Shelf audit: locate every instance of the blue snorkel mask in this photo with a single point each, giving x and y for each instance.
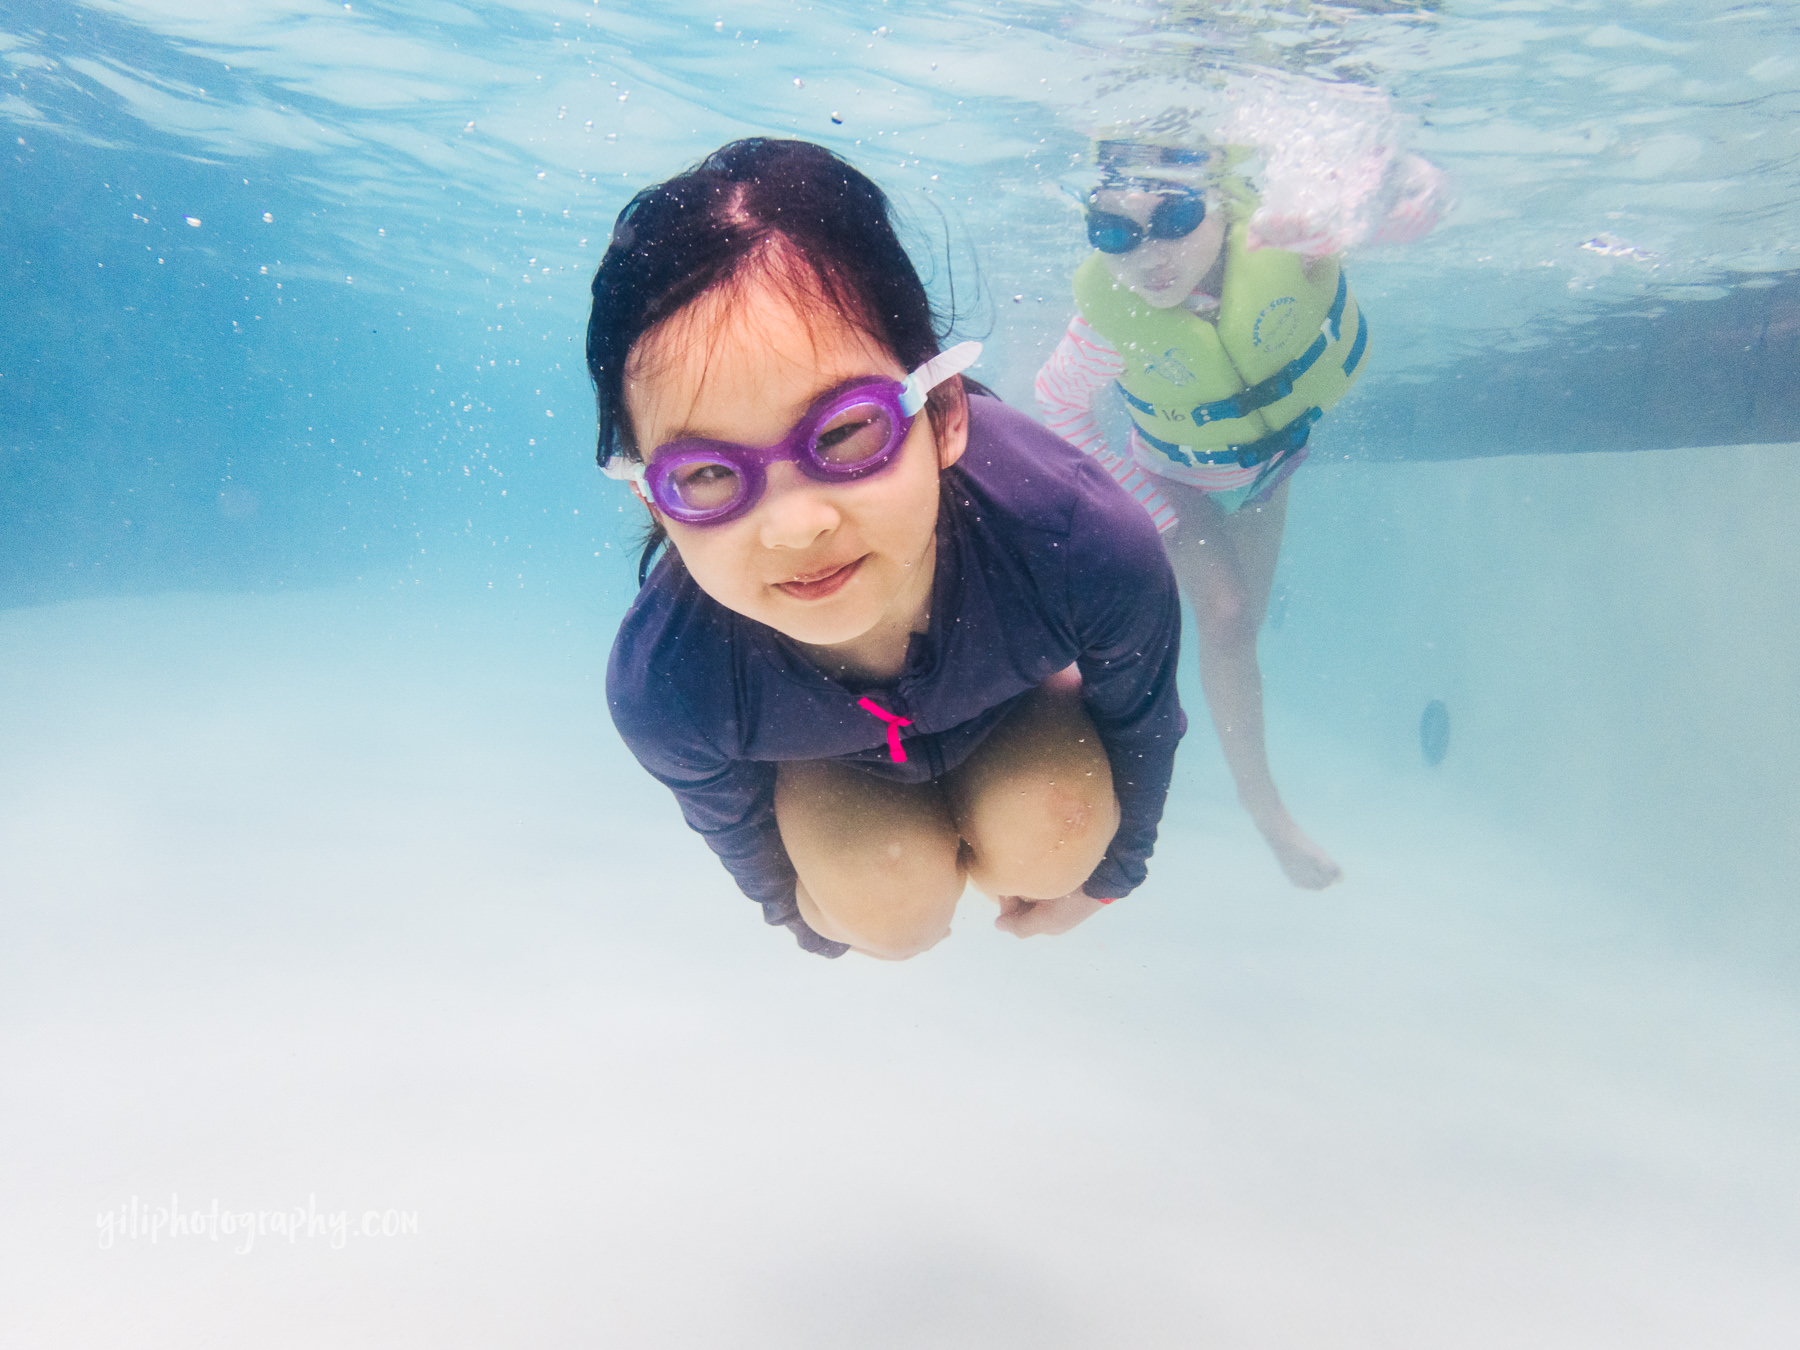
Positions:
(1180, 212)
(1177, 175)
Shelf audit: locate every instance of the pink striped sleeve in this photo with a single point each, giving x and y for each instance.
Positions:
(1082, 365)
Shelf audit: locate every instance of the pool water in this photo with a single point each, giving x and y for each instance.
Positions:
(328, 889)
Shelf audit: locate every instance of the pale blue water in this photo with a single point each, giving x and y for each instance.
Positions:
(322, 873)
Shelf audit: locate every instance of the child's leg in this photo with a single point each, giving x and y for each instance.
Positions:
(1226, 566)
(1034, 805)
(878, 860)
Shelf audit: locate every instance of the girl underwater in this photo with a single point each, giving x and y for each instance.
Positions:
(1226, 351)
(883, 655)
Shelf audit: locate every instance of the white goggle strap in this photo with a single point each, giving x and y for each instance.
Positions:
(934, 372)
(630, 471)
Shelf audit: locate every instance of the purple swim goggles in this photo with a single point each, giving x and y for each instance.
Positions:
(850, 433)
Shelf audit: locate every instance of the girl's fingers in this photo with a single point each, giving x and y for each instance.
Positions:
(1028, 918)
(1032, 918)
(1020, 917)
(1013, 910)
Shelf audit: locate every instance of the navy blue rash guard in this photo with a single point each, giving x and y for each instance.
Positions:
(1042, 562)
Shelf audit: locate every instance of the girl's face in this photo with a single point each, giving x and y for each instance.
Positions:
(824, 563)
(1161, 272)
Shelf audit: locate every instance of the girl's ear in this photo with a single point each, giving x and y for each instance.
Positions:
(952, 427)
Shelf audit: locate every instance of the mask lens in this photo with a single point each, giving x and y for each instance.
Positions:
(1113, 233)
(1177, 217)
(704, 484)
(854, 436)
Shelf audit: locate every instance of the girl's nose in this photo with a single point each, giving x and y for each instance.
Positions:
(795, 511)
(1153, 251)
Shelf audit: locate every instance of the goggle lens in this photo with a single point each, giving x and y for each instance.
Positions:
(705, 485)
(1113, 234)
(1176, 216)
(854, 436)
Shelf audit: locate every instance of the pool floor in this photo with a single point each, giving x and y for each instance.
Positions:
(350, 903)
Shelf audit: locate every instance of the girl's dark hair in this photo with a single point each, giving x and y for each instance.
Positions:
(752, 208)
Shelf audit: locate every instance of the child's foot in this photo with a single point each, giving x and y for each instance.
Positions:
(1307, 865)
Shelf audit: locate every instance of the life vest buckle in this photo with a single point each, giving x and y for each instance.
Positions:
(1281, 441)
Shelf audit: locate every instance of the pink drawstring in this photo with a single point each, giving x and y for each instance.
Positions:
(893, 727)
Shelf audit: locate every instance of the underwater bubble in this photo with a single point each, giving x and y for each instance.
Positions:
(1434, 732)
(192, 220)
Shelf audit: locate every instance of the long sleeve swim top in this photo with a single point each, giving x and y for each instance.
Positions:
(1081, 368)
(1042, 563)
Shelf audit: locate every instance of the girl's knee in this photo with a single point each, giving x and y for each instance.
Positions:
(885, 918)
(879, 862)
(1036, 805)
(897, 939)
(1044, 839)
(1224, 616)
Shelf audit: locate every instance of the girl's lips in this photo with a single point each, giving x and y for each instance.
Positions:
(820, 584)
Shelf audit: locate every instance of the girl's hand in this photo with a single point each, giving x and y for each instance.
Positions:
(1027, 918)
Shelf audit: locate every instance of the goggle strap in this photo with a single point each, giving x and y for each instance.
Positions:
(623, 470)
(934, 372)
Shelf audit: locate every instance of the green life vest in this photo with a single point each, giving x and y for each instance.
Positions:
(1248, 386)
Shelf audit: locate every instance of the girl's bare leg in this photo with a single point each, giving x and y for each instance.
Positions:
(1035, 805)
(878, 861)
(1226, 566)
(1027, 818)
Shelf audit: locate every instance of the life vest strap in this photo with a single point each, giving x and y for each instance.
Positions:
(1357, 348)
(1293, 436)
(1279, 385)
